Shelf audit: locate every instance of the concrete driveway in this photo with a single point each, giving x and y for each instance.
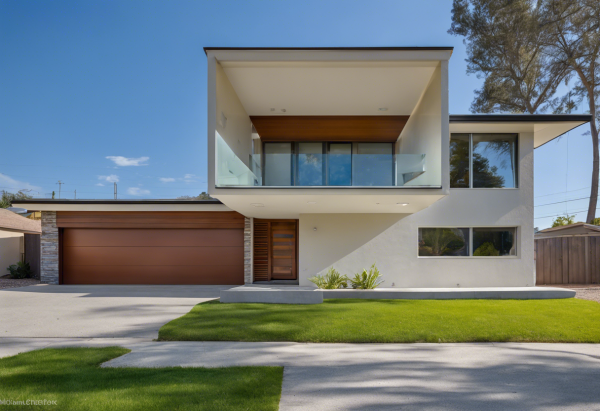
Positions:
(100, 311)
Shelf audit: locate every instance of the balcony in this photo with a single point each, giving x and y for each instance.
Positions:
(321, 165)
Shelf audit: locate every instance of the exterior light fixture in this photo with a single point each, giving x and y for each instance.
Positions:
(402, 204)
(257, 204)
(382, 109)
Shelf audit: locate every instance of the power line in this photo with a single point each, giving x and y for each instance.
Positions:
(565, 201)
(563, 192)
(556, 215)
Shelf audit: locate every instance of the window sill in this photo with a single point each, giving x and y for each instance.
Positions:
(473, 257)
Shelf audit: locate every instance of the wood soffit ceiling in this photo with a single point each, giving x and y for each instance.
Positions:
(329, 128)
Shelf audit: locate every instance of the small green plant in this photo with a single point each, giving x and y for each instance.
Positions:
(20, 270)
(486, 249)
(367, 280)
(330, 281)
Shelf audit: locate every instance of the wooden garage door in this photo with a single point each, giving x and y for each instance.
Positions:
(152, 256)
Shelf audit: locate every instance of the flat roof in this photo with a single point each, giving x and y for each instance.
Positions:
(444, 48)
(545, 127)
(67, 201)
(518, 118)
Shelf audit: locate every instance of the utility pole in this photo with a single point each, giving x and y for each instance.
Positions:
(115, 191)
(60, 183)
(75, 194)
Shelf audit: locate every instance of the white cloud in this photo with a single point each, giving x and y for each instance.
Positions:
(189, 178)
(10, 184)
(128, 161)
(136, 191)
(109, 179)
(166, 179)
(100, 185)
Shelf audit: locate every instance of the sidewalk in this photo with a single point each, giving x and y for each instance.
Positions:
(491, 376)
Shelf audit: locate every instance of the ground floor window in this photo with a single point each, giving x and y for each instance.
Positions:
(467, 242)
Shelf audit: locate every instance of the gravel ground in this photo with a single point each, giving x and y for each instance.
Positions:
(12, 283)
(592, 294)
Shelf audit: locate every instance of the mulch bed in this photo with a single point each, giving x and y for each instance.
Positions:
(13, 282)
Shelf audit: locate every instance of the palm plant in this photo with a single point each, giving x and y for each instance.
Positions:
(330, 281)
(367, 280)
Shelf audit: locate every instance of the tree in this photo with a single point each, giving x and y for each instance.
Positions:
(564, 220)
(505, 46)
(202, 196)
(524, 49)
(573, 44)
(8, 198)
(459, 167)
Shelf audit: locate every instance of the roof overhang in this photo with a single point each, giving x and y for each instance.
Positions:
(122, 205)
(329, 81)
(545, 127)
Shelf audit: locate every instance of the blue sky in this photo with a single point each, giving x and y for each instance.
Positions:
(98, 91)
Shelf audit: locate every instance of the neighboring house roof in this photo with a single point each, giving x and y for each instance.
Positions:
(569, 230)
(10, 221)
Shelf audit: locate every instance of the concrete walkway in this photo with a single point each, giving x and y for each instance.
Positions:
(390, 376)
(113, 311)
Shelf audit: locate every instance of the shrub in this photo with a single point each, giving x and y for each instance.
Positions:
(20, 270)
(367, 280)
(330, 281)
(486, 249)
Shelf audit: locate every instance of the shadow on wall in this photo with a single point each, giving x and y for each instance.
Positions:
(10, 250)
(339, 236)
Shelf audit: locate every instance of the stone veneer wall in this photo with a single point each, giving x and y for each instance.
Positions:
(49, 245)
(248, 277)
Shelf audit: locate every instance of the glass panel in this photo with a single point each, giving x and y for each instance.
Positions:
(230, 170)
(459, 161)
(278, 164)
(408, 168)
(373, 165)
(494, 242)
(443, 242)
(339, 160)
(310, 164)
(494, 160)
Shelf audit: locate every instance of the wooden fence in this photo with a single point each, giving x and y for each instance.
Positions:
(567, 260)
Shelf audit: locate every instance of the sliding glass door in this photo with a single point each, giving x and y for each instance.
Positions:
(313, 164)
(278, 164)
(339, 164)
(373, 164)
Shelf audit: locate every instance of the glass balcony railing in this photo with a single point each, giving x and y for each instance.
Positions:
(231, 171)
(314, 169)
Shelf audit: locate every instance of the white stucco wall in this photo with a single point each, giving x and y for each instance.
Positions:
(351, 242)
(237, 132)
(423, 133)
(10, 249)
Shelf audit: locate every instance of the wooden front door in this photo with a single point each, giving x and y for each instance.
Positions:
(283, 250)
(275, 250)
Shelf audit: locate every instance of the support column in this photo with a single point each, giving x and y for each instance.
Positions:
(49, 248)
(248, 274)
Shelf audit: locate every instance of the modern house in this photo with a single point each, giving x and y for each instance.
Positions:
(324, 157)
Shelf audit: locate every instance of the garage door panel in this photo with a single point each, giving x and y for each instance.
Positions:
(152, 256)
(144, 256)
(210, 275)
(152, 237)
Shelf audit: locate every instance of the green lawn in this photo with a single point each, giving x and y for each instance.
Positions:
(72, 378)
(386, 321)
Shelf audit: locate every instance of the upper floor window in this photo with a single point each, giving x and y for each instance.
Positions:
(483, 161)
